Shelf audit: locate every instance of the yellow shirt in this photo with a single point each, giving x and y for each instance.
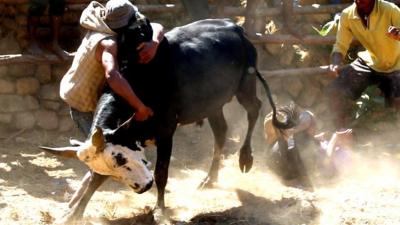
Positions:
(382, 53)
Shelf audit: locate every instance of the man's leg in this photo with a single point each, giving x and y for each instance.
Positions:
(352, 81)
(391, 87)
(56, 12)
(36, 9)
(83, 120)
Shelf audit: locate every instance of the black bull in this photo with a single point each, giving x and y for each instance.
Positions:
(197, 69)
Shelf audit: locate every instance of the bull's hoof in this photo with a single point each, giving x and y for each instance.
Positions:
(160, 217)
(72, 217)
(245, 161)
(206, 183)
(68, 220)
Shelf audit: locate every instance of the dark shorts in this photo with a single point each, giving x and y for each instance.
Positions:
(83, 120)
(37, 7)
(356, 77)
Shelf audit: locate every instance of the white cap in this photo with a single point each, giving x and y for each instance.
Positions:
(119, 12)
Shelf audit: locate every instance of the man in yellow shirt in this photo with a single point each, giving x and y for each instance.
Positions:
(95, 62)
(370, 22)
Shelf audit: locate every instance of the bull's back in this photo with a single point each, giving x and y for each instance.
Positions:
(209, 59)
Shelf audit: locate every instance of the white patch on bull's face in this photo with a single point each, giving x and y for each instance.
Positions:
(121, 163)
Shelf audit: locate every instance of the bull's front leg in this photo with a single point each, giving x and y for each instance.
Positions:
(78, 203)
(81, 190)
(164, 149)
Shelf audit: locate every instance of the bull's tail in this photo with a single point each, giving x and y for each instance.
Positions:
(290, 118)
(251, 69)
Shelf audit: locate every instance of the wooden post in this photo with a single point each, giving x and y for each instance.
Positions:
(253, 23)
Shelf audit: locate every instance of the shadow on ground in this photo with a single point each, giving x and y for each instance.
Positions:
(254, 210)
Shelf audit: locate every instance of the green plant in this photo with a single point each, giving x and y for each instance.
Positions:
(329, 27)
(371, 108)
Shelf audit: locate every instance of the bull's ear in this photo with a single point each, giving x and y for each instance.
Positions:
(97, 139)
(68, 152)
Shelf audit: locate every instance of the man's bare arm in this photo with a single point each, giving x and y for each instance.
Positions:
(336, 60)
(106, 53)
(148, 50)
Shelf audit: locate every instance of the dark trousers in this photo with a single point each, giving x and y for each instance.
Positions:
(83, 120)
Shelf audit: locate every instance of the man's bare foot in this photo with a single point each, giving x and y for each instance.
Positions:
(320, 137)
(61, 53)
(345, 137)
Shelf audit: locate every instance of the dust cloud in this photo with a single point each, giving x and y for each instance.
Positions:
(35, 187)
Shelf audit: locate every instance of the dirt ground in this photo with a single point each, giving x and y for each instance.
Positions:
(35, 187)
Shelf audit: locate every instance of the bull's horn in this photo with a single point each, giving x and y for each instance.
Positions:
(97, 139)
(68, 152)
(75, 142)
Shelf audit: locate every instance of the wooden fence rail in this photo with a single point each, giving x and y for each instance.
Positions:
(52, 59)
(15, 2)
(306, 71)
(32, 59)
(226, 11)
(301, 10)
(235, 11)
(290, 39)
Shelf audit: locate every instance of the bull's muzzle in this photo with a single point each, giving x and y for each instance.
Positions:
(141, 190)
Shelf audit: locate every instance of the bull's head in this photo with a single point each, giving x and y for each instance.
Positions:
(121, 163)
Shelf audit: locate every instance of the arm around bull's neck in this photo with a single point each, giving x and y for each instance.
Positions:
(148, 50)
(107, 53)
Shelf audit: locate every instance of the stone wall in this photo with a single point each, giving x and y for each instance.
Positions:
(29, 98)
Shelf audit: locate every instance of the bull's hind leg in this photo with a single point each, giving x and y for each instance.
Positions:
(219, 127)
(247, 97)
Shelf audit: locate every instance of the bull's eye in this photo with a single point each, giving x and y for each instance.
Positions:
(145, 162)
(127, 168)
(120, 159)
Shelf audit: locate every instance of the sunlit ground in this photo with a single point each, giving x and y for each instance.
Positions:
(35, 188)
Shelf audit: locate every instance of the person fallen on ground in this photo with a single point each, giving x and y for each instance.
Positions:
(334, 153)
